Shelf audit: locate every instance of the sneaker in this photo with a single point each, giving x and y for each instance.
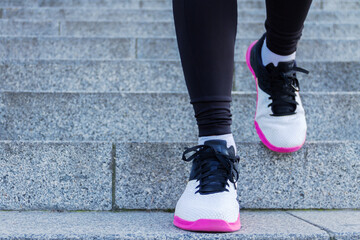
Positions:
(280, 117)
(209, 202)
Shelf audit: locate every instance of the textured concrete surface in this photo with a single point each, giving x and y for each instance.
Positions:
(152, 48)
(94, 76)
(155, 29)
(137, 15)
(163, 4)
(142, 4)
(341, 50)
(66, 48)
(321, 175)
(89, 14)
(340, 224)
(161, 29)
(28, 28)
(160, 76)
(77, 176)
(40, 175)
(18, 3)
(142, 225)
(140, 116)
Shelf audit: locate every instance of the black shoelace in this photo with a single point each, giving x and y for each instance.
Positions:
(214, 169)
(283, 87)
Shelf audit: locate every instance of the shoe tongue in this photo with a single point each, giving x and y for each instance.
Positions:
(213, 181)
(219, 146)
(282, 66)
(284, 109)
(286, 66)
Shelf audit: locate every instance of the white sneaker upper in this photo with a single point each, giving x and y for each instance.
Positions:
(280, 131)
(194, 206)
(210, 197)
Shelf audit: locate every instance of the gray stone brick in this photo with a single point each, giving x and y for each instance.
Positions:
(29, 28)
(18, 3)
(55, 175)
(65, 48)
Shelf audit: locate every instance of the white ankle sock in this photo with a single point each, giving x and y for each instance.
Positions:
(229, 138)
(269, 57)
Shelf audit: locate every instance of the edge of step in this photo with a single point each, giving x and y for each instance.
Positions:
(158, 225)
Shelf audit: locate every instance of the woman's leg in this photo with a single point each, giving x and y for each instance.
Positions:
(284, 24)
(280, 118)
(206, 31)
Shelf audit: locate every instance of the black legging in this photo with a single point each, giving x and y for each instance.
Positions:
(206, 31)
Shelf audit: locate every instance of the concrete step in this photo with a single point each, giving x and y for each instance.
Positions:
(316, 49)
(148, 75)
(151, 15)
(159, 29)
(341, 224)
(123, 175)
(155, 116)
(162, 4)
(153, 48)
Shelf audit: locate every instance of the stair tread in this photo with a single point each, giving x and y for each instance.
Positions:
(158, 225)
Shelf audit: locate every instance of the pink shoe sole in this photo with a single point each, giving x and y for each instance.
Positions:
(207, 225)
(257, 127)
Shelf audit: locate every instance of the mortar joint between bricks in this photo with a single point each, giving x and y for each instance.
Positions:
(136, 48)
(114, 207)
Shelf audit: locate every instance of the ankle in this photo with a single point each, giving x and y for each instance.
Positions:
(229, 138)
(269, 56)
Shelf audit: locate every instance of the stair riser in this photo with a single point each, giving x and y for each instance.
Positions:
(111, 14)
(334, 50)
(161, 4)
(64, 176)
(319, 176)
(155, 116)
(245, 30)
(154, 30)
(160, 76)
(152, 48)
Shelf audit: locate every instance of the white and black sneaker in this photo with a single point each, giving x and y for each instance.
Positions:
(209, 202)
(280, 117)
